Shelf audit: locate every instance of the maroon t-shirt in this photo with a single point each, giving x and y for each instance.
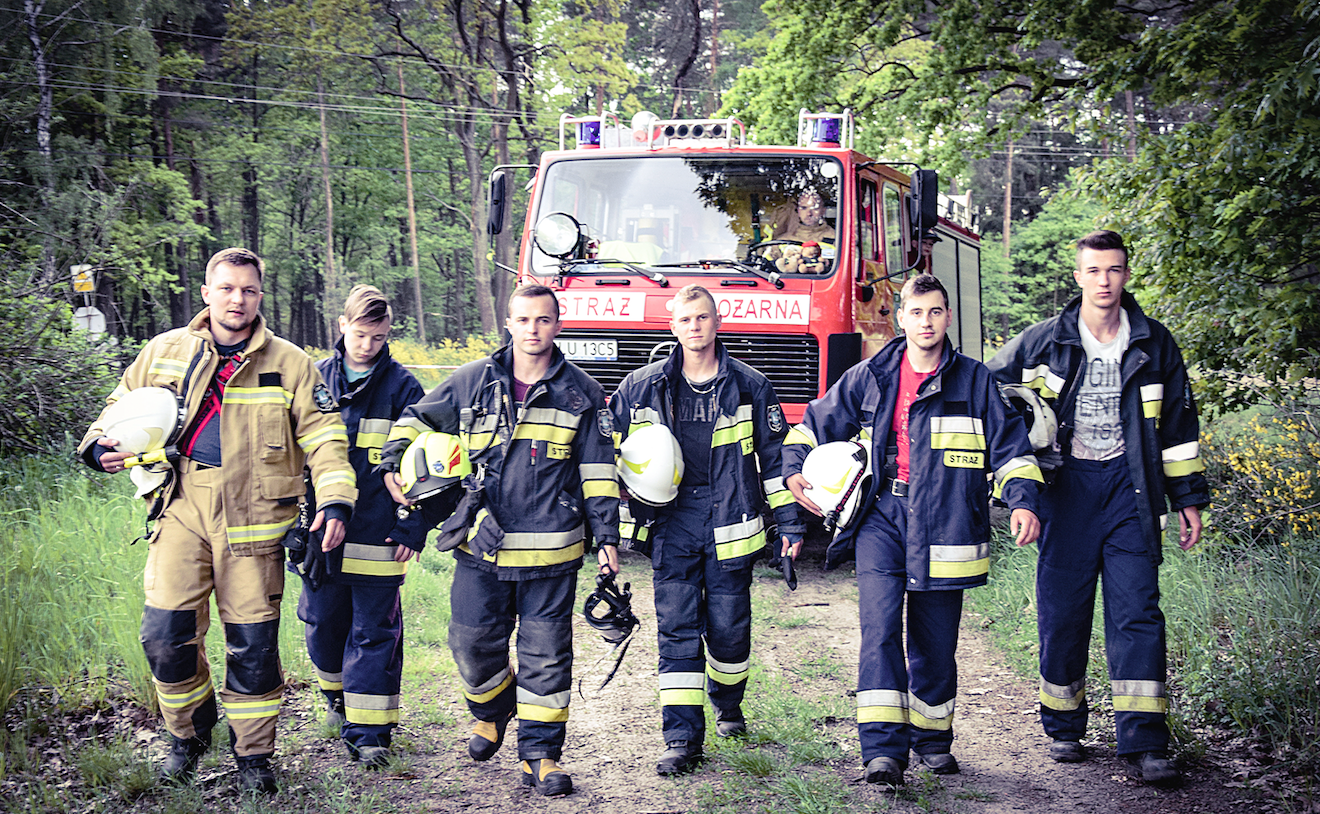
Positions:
(909, 381)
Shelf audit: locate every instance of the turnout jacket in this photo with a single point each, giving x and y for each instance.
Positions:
(749, 426)
(277, 416)
(1161, 431)
(959, 429)
(547, 468)
(369, 411)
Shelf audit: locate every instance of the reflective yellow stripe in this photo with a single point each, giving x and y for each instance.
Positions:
(1137, 703)
(372, 560)
(167, 367)
(1183, 459)
(682, 698)
(727, 674)
(370, 440)
(1043, 381)
(682, 689)
(739, 539)
(363, 708)
(1059, 697)
(489, 695)
(781, 498)
(800, 434)
(544, 432)
(330, 681)
(881, 706)
(922, 722)
(407, 429)
(183, 699)
(271, 394)
(1152, 400)
(334, 432)
(334, 476)
(549, 715)
(600, 488)
(257, 533)
(530, 558)
(244, 710)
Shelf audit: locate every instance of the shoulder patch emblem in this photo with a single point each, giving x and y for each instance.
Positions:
(605, 423)
(324, 401)
(775, 418)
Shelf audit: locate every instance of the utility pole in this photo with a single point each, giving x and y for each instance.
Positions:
(412, 213)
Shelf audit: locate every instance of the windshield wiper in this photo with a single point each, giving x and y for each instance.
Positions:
(773, 277)
(654, 276)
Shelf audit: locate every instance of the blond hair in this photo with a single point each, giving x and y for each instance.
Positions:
(367, 304)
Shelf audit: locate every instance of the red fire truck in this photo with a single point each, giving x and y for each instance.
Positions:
(803, 247)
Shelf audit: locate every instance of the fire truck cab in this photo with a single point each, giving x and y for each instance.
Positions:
(802, 246)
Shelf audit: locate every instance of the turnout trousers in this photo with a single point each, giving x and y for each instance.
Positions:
(483, 610)
(902, 703)
(1092, 530)
(698, 602)
(188, 558)
(355, 639)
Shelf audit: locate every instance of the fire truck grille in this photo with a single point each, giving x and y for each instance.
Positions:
(791, 363)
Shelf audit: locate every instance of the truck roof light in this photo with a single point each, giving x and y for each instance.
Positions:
(588, 135)
(591, 131)
(825, 129)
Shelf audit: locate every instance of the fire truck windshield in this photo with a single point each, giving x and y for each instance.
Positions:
(680, 210)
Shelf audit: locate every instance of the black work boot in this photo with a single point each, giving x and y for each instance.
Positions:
(547, 777)
(1154, 768)
(487, 738)
(255, 774)
(679, 757)
(730, 723)
(180, 764)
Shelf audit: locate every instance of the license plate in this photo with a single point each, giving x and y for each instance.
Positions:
(589, 350)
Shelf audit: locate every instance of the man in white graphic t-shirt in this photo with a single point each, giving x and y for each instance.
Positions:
(1128, 434)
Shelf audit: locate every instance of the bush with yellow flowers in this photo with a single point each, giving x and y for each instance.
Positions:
(1265, 473)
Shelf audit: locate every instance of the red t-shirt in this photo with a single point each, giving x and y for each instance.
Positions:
(908, 382)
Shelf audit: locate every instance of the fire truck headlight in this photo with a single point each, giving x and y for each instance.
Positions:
(558, 234)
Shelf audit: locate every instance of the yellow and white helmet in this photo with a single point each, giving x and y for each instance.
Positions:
(651, 465)
(142, 420)
(840, 476)
(433, 462)
(1042, 424)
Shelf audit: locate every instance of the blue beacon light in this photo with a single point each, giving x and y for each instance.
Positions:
(825, 132)
(588, 135)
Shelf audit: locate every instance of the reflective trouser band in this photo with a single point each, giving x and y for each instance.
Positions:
(682, 689)
(360, 708)
(727, 674)
(926, 716)
(480, 696)
(881, 706)
(1061, 698)
(330, 682)
(550, 709)
(241, 710)
(1139, 696)
(178, 700)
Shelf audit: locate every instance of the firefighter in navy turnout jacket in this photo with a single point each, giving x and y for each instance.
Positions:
(259, 400)
(1128, 432)
(543, 487)
(924, 529)
(729, 425)
(354, 622)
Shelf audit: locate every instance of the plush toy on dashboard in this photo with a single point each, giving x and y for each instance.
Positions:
(811, 262)
(789, 258)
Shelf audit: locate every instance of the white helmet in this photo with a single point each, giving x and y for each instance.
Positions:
(651, 465)
(433, 462)
(840, 475)
(1042, 424)
(142, 420)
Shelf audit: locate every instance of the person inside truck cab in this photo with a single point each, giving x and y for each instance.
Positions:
(804, 223)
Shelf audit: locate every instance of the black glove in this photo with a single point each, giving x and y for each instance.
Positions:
(306, 559)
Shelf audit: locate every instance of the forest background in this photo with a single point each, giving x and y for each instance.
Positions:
(136, 138)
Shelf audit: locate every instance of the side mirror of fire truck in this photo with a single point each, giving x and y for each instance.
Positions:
(925, 203)
(558, 235)
(497, 202)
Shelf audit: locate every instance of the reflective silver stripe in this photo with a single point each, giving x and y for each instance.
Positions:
(358, 700)
(1043, 380)
(643, 417)
(543, 540)
(494, 681)
(377, 425)
(1146, 689)
(956, 423)
(801, 434)
(725, 667)
(743, 413)
(333, 678)
(682, 681)
(361, 551)
(738, 531)
(1152, 392)
(773, 485)
(934, 712)
(1181, 452)
(1021, 461)
(549, 415)
(882, 698)
(1064, 693)
(558, 700)
(409, 423)
(486, 423)
(596, 471)
(959, 553)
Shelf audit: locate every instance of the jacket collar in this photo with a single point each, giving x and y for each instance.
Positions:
(1066, 331)
(201, 328)
(674, 364)
(504, 359)
(886, 361)
(382, 360)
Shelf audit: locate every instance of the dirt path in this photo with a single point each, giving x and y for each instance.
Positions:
(614, 736)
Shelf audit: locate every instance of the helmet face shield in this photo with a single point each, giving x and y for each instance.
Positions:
(840, 476)
(651, 465)
(1042, 424)
(433, 462)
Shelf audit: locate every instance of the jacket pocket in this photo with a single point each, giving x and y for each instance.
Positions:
(284, 489)
(275, 434)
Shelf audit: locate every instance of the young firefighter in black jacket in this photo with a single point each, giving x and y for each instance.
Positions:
(543, 485)
(924, 532)
(729, 425)
(1128, 431)
(354, 625)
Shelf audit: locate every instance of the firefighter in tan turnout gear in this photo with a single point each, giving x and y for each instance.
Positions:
(254, 411)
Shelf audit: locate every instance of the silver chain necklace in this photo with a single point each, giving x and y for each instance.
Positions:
(709, 385)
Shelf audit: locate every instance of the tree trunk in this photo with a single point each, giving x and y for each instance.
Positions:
(45, 109)
(412, 214)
